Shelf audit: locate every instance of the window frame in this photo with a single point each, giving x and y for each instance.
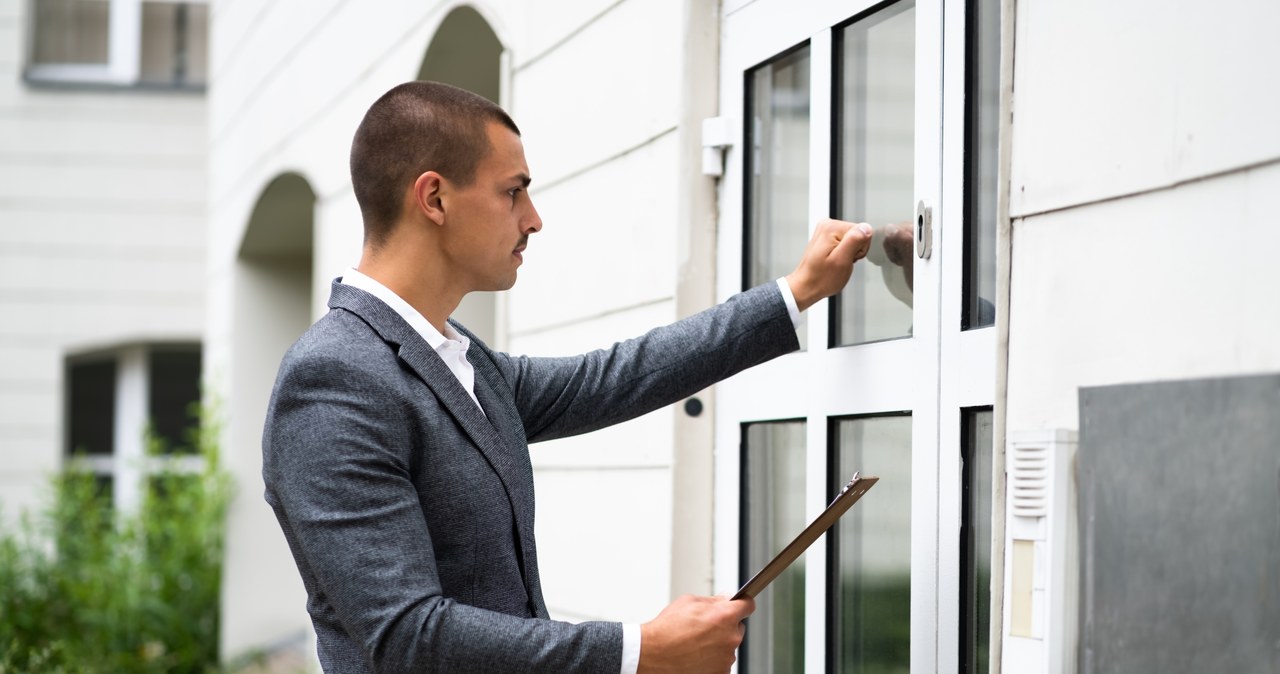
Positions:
(128, 465)
(123, 68)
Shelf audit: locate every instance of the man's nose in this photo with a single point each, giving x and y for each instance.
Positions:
(532, 222)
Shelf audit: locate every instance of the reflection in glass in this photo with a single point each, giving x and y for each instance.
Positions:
(982, 157)
(874, 179)
(975, 542)
(777, 166)
(773, 459)
(870, 568)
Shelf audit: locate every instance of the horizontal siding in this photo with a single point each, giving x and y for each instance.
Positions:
(608, 240)
(604, 543)
(547, 23)
(1114, 99)
(628, 100)
(1177, 284)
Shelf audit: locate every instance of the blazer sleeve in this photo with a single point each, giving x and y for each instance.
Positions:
(338, 476)
(557, 397)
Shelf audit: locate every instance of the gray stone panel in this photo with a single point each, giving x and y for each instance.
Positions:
(1180, 526)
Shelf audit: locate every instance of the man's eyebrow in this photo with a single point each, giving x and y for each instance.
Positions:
(523, 178)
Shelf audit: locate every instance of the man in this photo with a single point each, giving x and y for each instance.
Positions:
(395, 451)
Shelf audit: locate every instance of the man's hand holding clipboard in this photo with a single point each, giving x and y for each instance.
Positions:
(853, 491)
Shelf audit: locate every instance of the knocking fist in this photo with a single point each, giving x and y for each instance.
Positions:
(828, 260)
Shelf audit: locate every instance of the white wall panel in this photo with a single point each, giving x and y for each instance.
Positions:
(60, 226)
(258, 54)
(184, 184)
(604, 542)
(646, 441)
(610, 88)
(41, 363)
(547, 22)
(10, 44)
(21, 494)
(30, 406)
(127, 276)
(608, 240)
(90, 321)
(1171, 285)
(27, 459)
(139, 141)
(1116, 98)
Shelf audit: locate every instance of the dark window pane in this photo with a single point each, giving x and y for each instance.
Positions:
(982, 158)
(174, 386)
(773, 461)
(875, 171)
(174, 43)
(91, 403)
(71, 31)
(975, 543)
(870, 550)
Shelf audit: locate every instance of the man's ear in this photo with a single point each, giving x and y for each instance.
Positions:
(426, 196)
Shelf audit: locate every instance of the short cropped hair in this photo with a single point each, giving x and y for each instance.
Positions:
(414, 128)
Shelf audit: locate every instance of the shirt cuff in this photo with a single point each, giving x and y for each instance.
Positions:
(630, 648)
(787, 296)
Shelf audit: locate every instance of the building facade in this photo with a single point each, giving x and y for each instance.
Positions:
(1060, 358)
(1042, 177)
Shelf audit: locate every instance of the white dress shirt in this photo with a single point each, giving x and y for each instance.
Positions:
(452, 348)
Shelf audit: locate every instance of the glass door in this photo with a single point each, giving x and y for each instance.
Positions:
(841, 108)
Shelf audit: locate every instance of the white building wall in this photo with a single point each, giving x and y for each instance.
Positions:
(102, 204)
(600, 133)
(290, 81)
(1145, 152)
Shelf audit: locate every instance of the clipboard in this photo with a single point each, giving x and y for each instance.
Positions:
(853, 491)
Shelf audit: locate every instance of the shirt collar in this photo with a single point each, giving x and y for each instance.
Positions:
(417, 321)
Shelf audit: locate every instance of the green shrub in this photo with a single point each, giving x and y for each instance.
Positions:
(84, 590)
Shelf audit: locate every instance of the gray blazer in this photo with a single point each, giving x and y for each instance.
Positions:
(410, 512)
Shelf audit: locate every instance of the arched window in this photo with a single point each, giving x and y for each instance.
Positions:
(466, 53)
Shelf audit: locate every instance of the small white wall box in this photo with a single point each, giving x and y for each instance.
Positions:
(1041, 554)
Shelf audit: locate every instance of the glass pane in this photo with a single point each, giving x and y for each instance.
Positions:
(975, 542)
(773, 459)
(174, 43)
(875, 166)
(174, 391)
(71, 31)
(777, 167)
(91, 407)
(871, 548)
(983, 159)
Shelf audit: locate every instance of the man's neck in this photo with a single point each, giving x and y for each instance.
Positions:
(415, 284)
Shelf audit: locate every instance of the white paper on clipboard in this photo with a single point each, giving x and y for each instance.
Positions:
(853, 491)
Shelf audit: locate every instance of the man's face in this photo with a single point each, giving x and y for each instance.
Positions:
(488, 223)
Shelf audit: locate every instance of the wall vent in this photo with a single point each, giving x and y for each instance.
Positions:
(1029, 480)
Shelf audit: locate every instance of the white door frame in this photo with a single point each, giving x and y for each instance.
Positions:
(949, 369)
